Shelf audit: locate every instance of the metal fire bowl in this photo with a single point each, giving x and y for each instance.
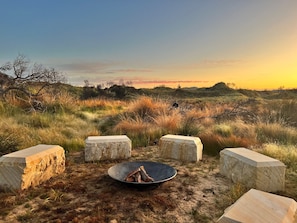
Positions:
(159, 171)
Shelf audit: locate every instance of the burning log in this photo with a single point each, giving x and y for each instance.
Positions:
(139, 175)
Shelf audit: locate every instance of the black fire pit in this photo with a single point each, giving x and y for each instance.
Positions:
(158, 171)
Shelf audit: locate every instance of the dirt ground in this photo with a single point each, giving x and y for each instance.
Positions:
(85, 193)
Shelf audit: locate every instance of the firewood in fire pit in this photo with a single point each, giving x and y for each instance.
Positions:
(139, 175)
(144, 175)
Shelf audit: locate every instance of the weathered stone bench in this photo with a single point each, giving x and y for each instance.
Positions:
(32, 166)
(184, 148)
(107, 147)
(259, 206)
(252, 169)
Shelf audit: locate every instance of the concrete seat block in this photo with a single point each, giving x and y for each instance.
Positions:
(184, 148)
(253, 169)
(107, 147)
(261, 207)
(32, 166)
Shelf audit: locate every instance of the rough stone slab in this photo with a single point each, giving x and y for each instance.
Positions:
(32, 166)
(261, 207)
(253, 169)
(184, 148)
(107, 147)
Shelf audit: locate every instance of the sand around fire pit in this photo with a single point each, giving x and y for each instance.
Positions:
(86, 193)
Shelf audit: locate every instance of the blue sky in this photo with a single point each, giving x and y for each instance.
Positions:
(250, 43)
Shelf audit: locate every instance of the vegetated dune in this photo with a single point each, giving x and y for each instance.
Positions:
(220, 116)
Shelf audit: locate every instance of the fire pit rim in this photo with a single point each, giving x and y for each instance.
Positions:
(117, 170)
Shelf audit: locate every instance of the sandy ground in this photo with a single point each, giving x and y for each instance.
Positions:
(85, 193)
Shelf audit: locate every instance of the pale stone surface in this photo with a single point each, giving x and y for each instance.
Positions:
(261, 207)
(253, 169)
(107, 147)
(32, 166)
(184, 148)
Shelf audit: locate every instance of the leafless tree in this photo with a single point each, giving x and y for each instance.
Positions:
(27, 81)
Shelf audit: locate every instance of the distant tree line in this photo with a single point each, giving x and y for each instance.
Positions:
(114, 91)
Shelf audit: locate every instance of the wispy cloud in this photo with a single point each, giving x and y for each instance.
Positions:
(86, 67)
(104, 72)
(131, 70)
(153, 82)
(127, 71)
(219, 63)
(100, 67)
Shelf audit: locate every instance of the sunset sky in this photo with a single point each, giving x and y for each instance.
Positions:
(251, 44)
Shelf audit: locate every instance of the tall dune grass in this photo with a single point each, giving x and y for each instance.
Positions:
(281, 111)
(286, 154)
(22, 129)
(9, 140)
(145, 119)
(276, 133)
(8, 110)
(137, 121)
(167, 122)
(219, 125)
(145, 107)
(95, 105)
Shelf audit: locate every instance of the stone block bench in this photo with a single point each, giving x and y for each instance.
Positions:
(252, 169)
(107, 147)
(32, 166)
(184, 148)
(259, 206)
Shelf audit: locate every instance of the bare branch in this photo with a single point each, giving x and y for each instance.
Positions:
(31, 80)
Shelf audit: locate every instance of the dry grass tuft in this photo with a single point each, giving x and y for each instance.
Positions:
(146, 107)
(168, 122)
(276, 133)
(130, 125)
(286, 154)
(101, 103)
